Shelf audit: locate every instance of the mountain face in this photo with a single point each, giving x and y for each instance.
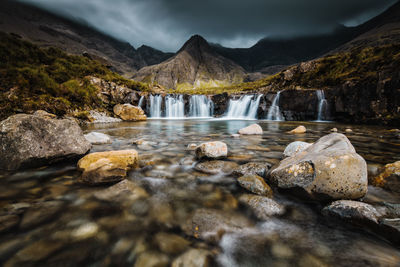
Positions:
(47, 29)
(196, 65)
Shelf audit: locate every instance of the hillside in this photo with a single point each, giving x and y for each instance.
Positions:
(50, 30)
(196, 65)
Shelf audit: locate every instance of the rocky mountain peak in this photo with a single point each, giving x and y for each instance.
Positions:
(196, 44)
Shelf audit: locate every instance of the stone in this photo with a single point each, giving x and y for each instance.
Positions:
(36, 251)
(252, 168)
(295, 147)
(31, 141)
(299, 130)
(389, 177)
(85, 231)
(352, 210)
(258, 148)
(122, 190)
(96, 138)
(328, 169)
(171, 243)
(235, 135)
(107, 167)
(253, 129)
(212, 150)
(8, 222)
(152, 259)
(348, 130)
(193, 258)
(128, 112)
(210, 224)
(44, 113)
(191, 147)
(256, 185)
(263, 207)
(40, 213)
(334, 130)
(216, 167)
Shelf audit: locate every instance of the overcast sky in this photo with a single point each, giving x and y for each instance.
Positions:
(167, 24)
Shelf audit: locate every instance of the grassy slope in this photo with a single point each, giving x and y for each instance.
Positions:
(34, 78)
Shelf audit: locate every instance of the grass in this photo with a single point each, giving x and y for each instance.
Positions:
(34, 78)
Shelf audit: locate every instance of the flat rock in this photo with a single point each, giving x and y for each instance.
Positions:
(96, 138)
(193, 258)
(122, 190)
(252, 168)
(328, 169)
(295, 147)
(263, 207)
(213, 150)
(216, 167)
(152, 259)
(107, 167)
(255, 184)
(128, 112)
(171, 243)
(298, 130)
(352, 210)
(253, 129)
(34, 140)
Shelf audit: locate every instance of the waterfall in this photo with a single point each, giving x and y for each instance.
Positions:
(141, 101)
(243, 108)
(155, 106)
(174, 106)
(274, 112)
(200, 106)
(322, 105)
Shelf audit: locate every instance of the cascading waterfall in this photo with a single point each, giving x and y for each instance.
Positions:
(243, 108)
(141, 101)
(174, 106)
(322, 105)
(200, 106)
(155, 106)
(274, 112)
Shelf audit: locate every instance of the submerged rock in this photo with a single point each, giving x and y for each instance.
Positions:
(352, 210)
(107, 167)
(299, 130)
(124, 189)
(216, 167)
(329, 169)
(213, 150)
(295, 147)
(128, 112)
(40, 213)
(193, 258)
(171, 243)
(8, 222)
(252, 168)
(389, 177)
(96, 138)
(253, 129)
(36, 140)
(255, 184)
(152, 259)
(262, 207)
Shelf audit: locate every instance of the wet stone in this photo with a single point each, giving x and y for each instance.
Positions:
(152, 259)
(256, 185)
(252, 168)
(193, 258)
(216, 167)
(352, 210)
(213, 150)
(263, 207)
(40, 213)
(8, 222)
(171, 243)
(123, 190)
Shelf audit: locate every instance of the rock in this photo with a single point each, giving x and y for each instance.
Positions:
(216, 167)
(40, 213)
(191, 147)
(85, 231)
(252, 168)
(210, 224)
(124, 189)
(329, 169)
(152, 259)
(127, 112)
(8, 222)
(295, 147)
(235, 135)
(253, 129)
(212, 150)
(107, 167)
(299, 130)
(193, 258)
(256, 185)
(352, 210)
(44, 114)
(171, 243)
(31, 141)
(334, 130)
(348, 130)
(263, 207)
(96, 138)
(258, 148)
(389, 177)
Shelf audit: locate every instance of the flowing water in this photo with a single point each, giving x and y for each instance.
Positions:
(64, 224)
(274, 112)
(322, 105)
(201, 106)
(243, 108)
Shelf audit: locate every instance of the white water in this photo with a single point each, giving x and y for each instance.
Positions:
(200, 106)
(155, 106)
(141, 101)
(174, 106)
(322, 105)
(274, 112)
(243, 108)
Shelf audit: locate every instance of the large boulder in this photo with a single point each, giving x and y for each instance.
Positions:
(329, 169)
(253, 129)
(389, 177)
(35, 140)
(128, 112)
(213, 150)
(107, 167)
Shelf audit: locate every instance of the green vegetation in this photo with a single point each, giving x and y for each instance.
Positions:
(34, 78)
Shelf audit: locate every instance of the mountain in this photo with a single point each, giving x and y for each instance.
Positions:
(150, 56)
(46, 29)
(196, 65)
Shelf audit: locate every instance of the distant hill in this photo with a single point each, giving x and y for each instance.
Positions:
(46, 29)
(195, 65)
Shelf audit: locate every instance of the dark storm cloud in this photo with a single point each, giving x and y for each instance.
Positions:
(166, 24)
